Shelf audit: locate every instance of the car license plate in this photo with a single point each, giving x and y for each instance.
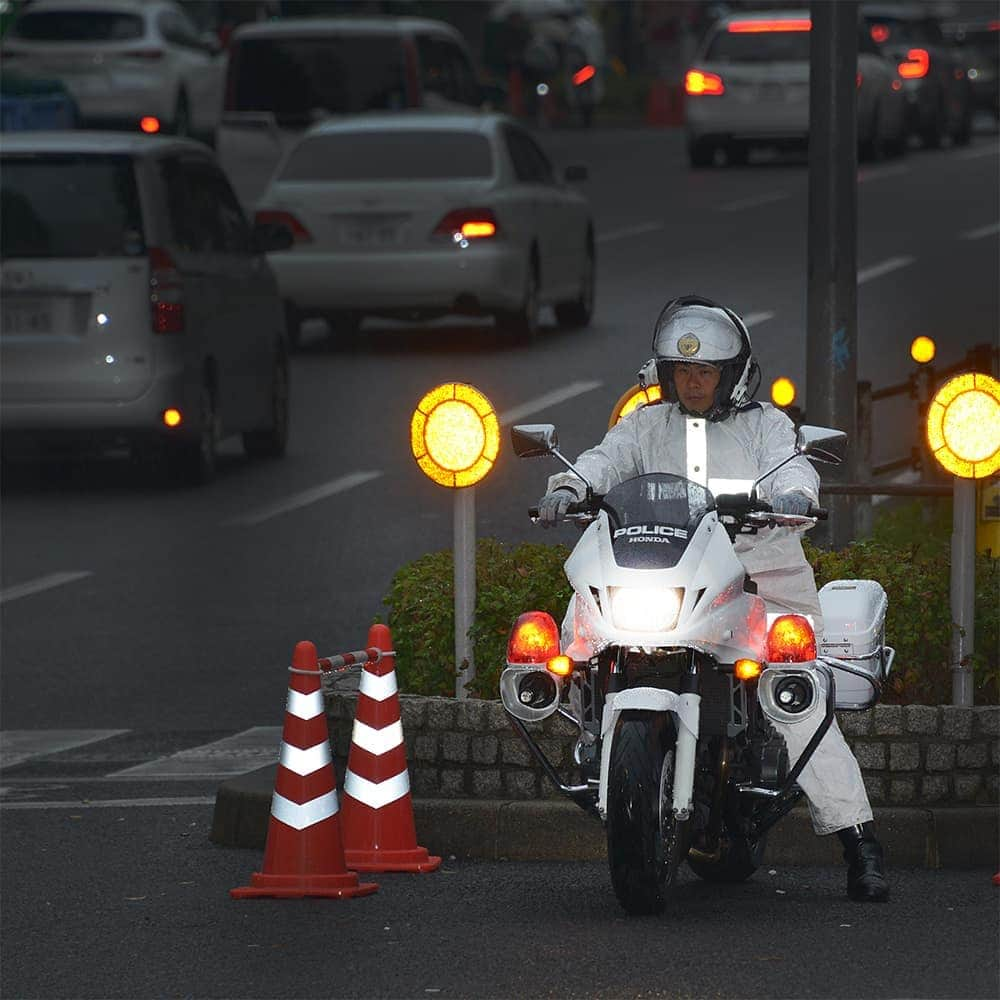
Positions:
(30, 316)
(385, 234)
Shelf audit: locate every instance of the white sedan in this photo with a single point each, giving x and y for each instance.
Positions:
(418, 215)
(749, 85)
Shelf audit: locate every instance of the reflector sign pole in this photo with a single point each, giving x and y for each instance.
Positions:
(455, 439)
(963, 432)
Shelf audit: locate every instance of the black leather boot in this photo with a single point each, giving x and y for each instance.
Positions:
(866, 881)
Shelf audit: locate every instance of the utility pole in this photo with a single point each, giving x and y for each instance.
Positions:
(832, 308)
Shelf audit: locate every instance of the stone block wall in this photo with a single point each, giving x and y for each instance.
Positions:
(909, 754)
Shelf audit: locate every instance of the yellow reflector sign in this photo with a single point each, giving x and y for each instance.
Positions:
(963, 425)
(783, 391)
(631, 399)
(455, 435)
(922, 350)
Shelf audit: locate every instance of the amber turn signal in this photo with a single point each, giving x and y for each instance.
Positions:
(561, 666)
(747, 670)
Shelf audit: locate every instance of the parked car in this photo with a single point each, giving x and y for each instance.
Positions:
(979, 43)
(749, 85)
(935, 83)
(139, 309)
(284, 76)
(417, 215)
(127, 63)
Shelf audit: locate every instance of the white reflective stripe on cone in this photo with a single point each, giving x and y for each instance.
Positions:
(304, 762)
(378, 688)
(377, 741)
(376, 793)
(305, 706)
(308, 813)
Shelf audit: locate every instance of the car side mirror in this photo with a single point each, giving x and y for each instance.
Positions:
(821, 444)
(534, 440)
(575, 173)
(269, 237)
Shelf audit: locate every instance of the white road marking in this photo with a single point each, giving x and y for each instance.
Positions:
(624, 234)
(885, 267)
(549, 399)
(112, 803)
(752, 319)
(305, 498)
(977, 152)
(18, 745)
(42, 583)
(977, 234)
(246, 751)
(753, 201)
(878, 173)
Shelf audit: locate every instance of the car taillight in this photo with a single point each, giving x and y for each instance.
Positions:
(916, 65)
(762, 27)
(299, 232)
(584, 74)
(533, 639)
(698, 83)
(468, 223)
(880, 33)
(150, 124)
(791, 640)
(166, 289)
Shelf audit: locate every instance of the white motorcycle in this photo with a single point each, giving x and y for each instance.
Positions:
(673, 672)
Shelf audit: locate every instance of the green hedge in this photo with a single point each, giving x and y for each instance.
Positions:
(530, 576)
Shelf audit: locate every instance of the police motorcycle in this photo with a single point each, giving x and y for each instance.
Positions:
(673, 672)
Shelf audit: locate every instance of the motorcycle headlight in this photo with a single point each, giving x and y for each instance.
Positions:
(638, 609)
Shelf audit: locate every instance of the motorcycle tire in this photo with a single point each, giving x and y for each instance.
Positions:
(644, 839)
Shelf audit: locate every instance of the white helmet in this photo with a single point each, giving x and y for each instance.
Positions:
(694, 330)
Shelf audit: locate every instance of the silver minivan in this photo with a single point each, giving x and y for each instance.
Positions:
(138, 306)
(285, 76)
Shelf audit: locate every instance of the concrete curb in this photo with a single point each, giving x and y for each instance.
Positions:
(557, 830)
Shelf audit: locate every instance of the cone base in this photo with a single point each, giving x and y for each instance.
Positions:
(416, 859)
(297, 886)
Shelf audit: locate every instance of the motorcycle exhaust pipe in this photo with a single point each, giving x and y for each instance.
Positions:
(791, 694)
(530, 693)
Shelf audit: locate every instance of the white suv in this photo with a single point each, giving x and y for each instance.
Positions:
(125, 62)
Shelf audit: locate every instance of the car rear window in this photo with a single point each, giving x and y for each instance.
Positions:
(78, 26)
(301, 79)
(409, 154)
(69, 205)
(759, 46)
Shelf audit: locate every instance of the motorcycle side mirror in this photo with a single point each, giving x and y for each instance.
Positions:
(822, 444)
(534, 440)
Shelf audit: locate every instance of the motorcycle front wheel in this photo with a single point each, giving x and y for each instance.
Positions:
(644, 838)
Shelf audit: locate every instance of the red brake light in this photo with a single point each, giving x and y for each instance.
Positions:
(149, 124)
(583, 75)
(166, 289)
(758, 27)
(468, 223)
(791, 640)
(917, 64)
(697, 83)
(299, 232)
(880, 33)
(533, 639)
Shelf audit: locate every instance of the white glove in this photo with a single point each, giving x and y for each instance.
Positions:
(553, 506)
(791, 503)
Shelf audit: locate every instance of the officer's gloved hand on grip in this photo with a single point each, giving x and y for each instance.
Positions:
(791, 503)
(553, 506)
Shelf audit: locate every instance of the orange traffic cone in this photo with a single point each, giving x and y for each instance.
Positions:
(304, 855)
(379, 834)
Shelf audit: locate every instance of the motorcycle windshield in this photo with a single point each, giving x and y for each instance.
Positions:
(653, 517)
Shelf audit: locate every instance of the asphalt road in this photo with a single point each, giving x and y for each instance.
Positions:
(134, 903)
(182, 605)
(151, 622)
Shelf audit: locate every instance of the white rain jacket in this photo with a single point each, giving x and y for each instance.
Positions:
(726, 456)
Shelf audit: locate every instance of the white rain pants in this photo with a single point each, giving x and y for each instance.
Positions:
(719, 455)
